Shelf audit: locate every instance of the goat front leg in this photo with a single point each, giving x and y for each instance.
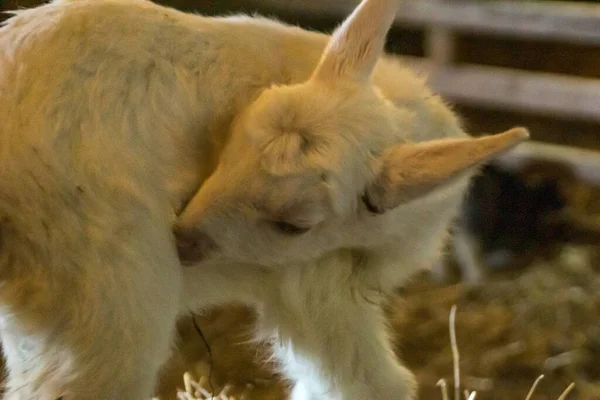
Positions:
(331, 338)
(468, 255)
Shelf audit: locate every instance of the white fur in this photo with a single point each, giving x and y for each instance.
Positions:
(114, 112)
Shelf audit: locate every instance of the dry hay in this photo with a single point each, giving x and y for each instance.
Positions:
(510, 331)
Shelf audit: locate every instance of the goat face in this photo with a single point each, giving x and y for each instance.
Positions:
(325, 164)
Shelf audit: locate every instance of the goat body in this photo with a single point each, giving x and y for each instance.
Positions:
(115, 112)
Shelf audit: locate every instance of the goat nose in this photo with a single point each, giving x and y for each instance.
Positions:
(192, 245)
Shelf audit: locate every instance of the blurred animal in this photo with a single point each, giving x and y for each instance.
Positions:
(321, 175)
(510, 218)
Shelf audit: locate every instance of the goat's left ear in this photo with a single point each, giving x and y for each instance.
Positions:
(410, 171)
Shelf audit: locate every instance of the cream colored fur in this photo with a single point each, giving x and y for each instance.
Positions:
(115, 112)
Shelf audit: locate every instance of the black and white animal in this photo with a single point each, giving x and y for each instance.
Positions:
(511, 217)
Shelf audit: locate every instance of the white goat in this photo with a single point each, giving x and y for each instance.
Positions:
(318, 196)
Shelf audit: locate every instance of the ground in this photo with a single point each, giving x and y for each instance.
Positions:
(510, 330)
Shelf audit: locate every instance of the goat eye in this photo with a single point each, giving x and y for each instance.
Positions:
(289, 229)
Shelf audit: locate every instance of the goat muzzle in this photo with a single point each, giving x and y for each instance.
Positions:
(193, 246)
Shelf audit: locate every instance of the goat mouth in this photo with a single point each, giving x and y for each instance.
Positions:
(192, 253)
(193, 248)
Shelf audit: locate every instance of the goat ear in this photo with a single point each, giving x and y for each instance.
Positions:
(409, 171)
(358, 42)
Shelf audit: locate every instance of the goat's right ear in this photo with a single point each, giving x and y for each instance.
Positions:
(358, 42)
(410, 171)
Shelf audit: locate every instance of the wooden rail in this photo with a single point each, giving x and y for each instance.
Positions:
(585, 164)
(567, 21)
(512, 89)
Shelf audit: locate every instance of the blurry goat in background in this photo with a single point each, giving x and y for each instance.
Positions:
(512, 217)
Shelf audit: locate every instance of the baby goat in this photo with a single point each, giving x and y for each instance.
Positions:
(328, 174)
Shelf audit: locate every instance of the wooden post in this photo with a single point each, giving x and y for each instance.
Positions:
(439, 42)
